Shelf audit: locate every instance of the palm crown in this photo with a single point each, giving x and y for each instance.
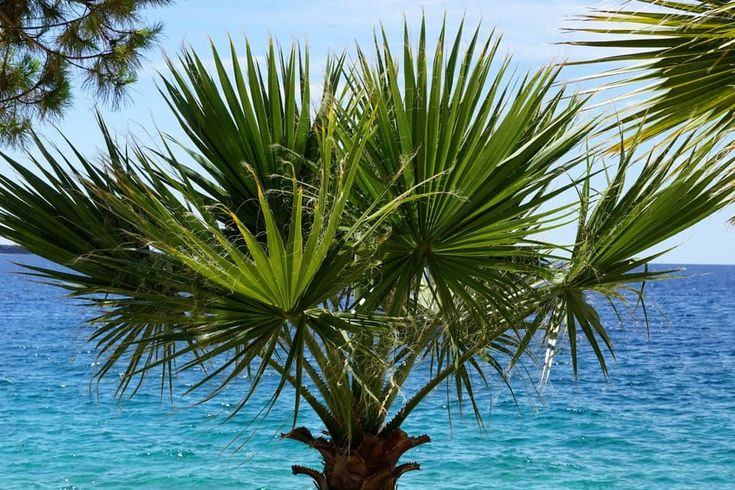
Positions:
(396, 228)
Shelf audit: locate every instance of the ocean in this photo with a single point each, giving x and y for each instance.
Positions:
(664, 419)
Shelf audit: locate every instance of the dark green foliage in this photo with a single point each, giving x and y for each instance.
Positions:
(44, 43)
(679, 55)
(395, 227)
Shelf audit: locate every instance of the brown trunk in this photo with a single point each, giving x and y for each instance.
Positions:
(370, 464)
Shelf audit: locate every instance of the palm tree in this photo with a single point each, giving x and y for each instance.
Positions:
(395, 232)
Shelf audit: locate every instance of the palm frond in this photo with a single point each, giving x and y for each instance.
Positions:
(680, 53)
(676, 187)
(483, 151)
(394, 229)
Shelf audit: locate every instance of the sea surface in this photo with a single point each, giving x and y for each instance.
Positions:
(664, 419)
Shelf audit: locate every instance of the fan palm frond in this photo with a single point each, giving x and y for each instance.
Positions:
(678, 54)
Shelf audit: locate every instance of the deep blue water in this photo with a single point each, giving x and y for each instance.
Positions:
(665, 418)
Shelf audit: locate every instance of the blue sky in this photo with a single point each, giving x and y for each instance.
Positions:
(530, 29)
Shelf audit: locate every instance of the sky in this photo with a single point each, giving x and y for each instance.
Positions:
(531, 31)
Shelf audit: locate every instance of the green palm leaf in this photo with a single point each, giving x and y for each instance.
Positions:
(394, 230)
(676, 187)
(682, 55)
(483, 155)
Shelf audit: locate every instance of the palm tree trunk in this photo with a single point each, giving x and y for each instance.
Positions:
(370, 464)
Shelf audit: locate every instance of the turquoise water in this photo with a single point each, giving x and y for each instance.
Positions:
(664, 419)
